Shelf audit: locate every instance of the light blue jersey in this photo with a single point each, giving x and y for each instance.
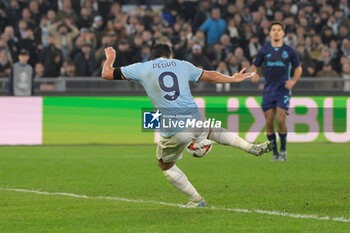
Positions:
(166, 82)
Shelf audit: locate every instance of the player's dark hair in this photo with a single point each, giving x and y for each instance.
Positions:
(161, 50)
(278, 23)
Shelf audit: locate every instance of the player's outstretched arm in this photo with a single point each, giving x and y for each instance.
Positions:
(216, 77)
(107, 70)
(255, 76)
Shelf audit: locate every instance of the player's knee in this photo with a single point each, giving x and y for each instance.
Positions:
(165, 166)
(160, 164)
(281, 122)
(269, 124)
(282, 127)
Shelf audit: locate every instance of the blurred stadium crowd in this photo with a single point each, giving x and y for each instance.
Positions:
(68, 37)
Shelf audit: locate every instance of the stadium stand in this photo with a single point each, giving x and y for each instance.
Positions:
(66, 38)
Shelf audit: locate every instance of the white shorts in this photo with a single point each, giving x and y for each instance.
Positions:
(170, 149)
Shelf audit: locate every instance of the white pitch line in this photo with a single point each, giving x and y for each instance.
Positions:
(256, 211)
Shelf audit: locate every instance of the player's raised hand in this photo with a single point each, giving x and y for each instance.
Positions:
(110, 53)
(241, 76)
(289, 84)
(107, 70)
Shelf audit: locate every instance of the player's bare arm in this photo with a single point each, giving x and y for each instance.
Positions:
(297, 73)
(216, 77)
(107, 71)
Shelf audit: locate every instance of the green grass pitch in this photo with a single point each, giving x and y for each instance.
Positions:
(314, 181)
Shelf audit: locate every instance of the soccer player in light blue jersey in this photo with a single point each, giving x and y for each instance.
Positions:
(166, 81)
(277, 60)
